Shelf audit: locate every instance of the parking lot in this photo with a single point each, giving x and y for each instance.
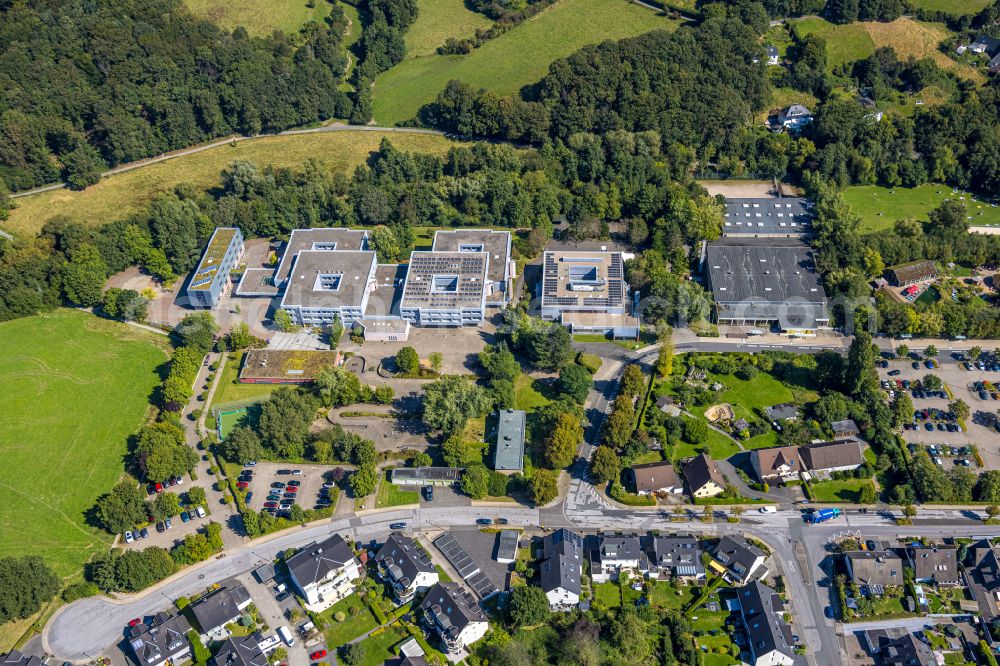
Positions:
(166, 533)
(309, 482)
(934, 409)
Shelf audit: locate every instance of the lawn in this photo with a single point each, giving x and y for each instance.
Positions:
(437, 21)
(785, 97)
(118, 196)
(608, 595)
(527, 395)
(378, 648)
(845, 490)
(260, 17)
(229, 390)
(880, 207)
(338, 633)
(389, 494)
(72, 389)
(719, 447)
(954, 7)
(856, 41)
(515, 59)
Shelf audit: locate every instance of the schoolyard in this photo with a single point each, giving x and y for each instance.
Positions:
(72, 389)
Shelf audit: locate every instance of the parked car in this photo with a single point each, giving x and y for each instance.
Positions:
(192, 515)
(277, 484)
(252, 463)
(915, 365)
(159, 487)
(483, 521)
(297, 472)
(143, 533)
(185, 517)
(292, 489)
(150, 489)
(428, 492)
(270, 505)
(294, 483)
(168, 524)
(502, 521)
(284, 471)
(242, 485)
(134, 621)
(397, 526)
(160, 527)
(128, 537)
(201, 512)
(894, 373)
(248, 497)
(317, 655)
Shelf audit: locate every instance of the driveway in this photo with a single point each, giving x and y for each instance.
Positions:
(274, 616)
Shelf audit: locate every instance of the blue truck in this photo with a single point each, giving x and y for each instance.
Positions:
(821, 515)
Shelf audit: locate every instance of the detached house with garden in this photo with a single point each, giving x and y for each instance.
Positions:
(325, 572)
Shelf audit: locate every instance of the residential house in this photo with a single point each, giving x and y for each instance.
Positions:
(325, 573)
(16, 658)
(214, 611)
(786, 411)
(656, 477)
(837, 456)
(242, 651)
(454, 615)
(675, 556)
(768, 635)
(410, 654)
(667, 405)
(935, 564)
(897, 647)
(983, 573)
(611, 555)
(795, 117)
(163, 639)
(874, 569)
(773, 57)
(405, 566)
(779, 463)
(509, 455)
(738, 560)
(845, 428)
(985, 44)
(561, 568)
(704, 479)
(912, 272)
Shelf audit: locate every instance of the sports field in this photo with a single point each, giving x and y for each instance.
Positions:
(119, 195)
(856, 41)
(516, 58)
(437, 21)
(880, 207)
(72, 389)
(260, 17)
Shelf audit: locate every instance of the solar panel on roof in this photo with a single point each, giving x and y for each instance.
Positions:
(201, 282)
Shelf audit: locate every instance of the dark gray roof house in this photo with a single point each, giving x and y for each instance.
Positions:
(874, 568)
(703, 476)
(741, 560)
(786, 411)
(845, 428)
(768, 636)
(163, 639)
(241, 651)
(983, 573)
(509, 456)
(839, 455)
(675, 555)
(935, 564)
(454, 614)
(214, 611)
(316, 562)
(405, 564)
(15, 658)
(561, 567)
(897, 647)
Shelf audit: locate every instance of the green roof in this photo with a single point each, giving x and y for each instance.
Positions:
(212, 258)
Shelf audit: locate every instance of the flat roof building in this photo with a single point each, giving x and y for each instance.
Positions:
(496, 244)
(445, 289)
(325, 239)
(757, 281)
(325, 284)
(585, 290)
(285, 366)
(422, 476)
(509, 455)
(211, 278)
(773, 218)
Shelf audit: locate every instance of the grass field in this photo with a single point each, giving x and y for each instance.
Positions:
(954, 7)
(117, 196)
(845, 490)
(338, 633)
(519, 57)
(230, 390)
(379, 648)
(72, 389)
(438, 20)
(879, 207)
(855, 41)
(260, 17)
(389, 494)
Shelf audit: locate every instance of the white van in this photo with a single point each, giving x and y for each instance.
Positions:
(768, 509)
(286, 635)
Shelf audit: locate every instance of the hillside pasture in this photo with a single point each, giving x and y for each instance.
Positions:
(260, 17)
(72, 389)
(437, 21)
(515, 59)
(119, 195)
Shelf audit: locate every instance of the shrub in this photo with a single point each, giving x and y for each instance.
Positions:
(339, 616)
